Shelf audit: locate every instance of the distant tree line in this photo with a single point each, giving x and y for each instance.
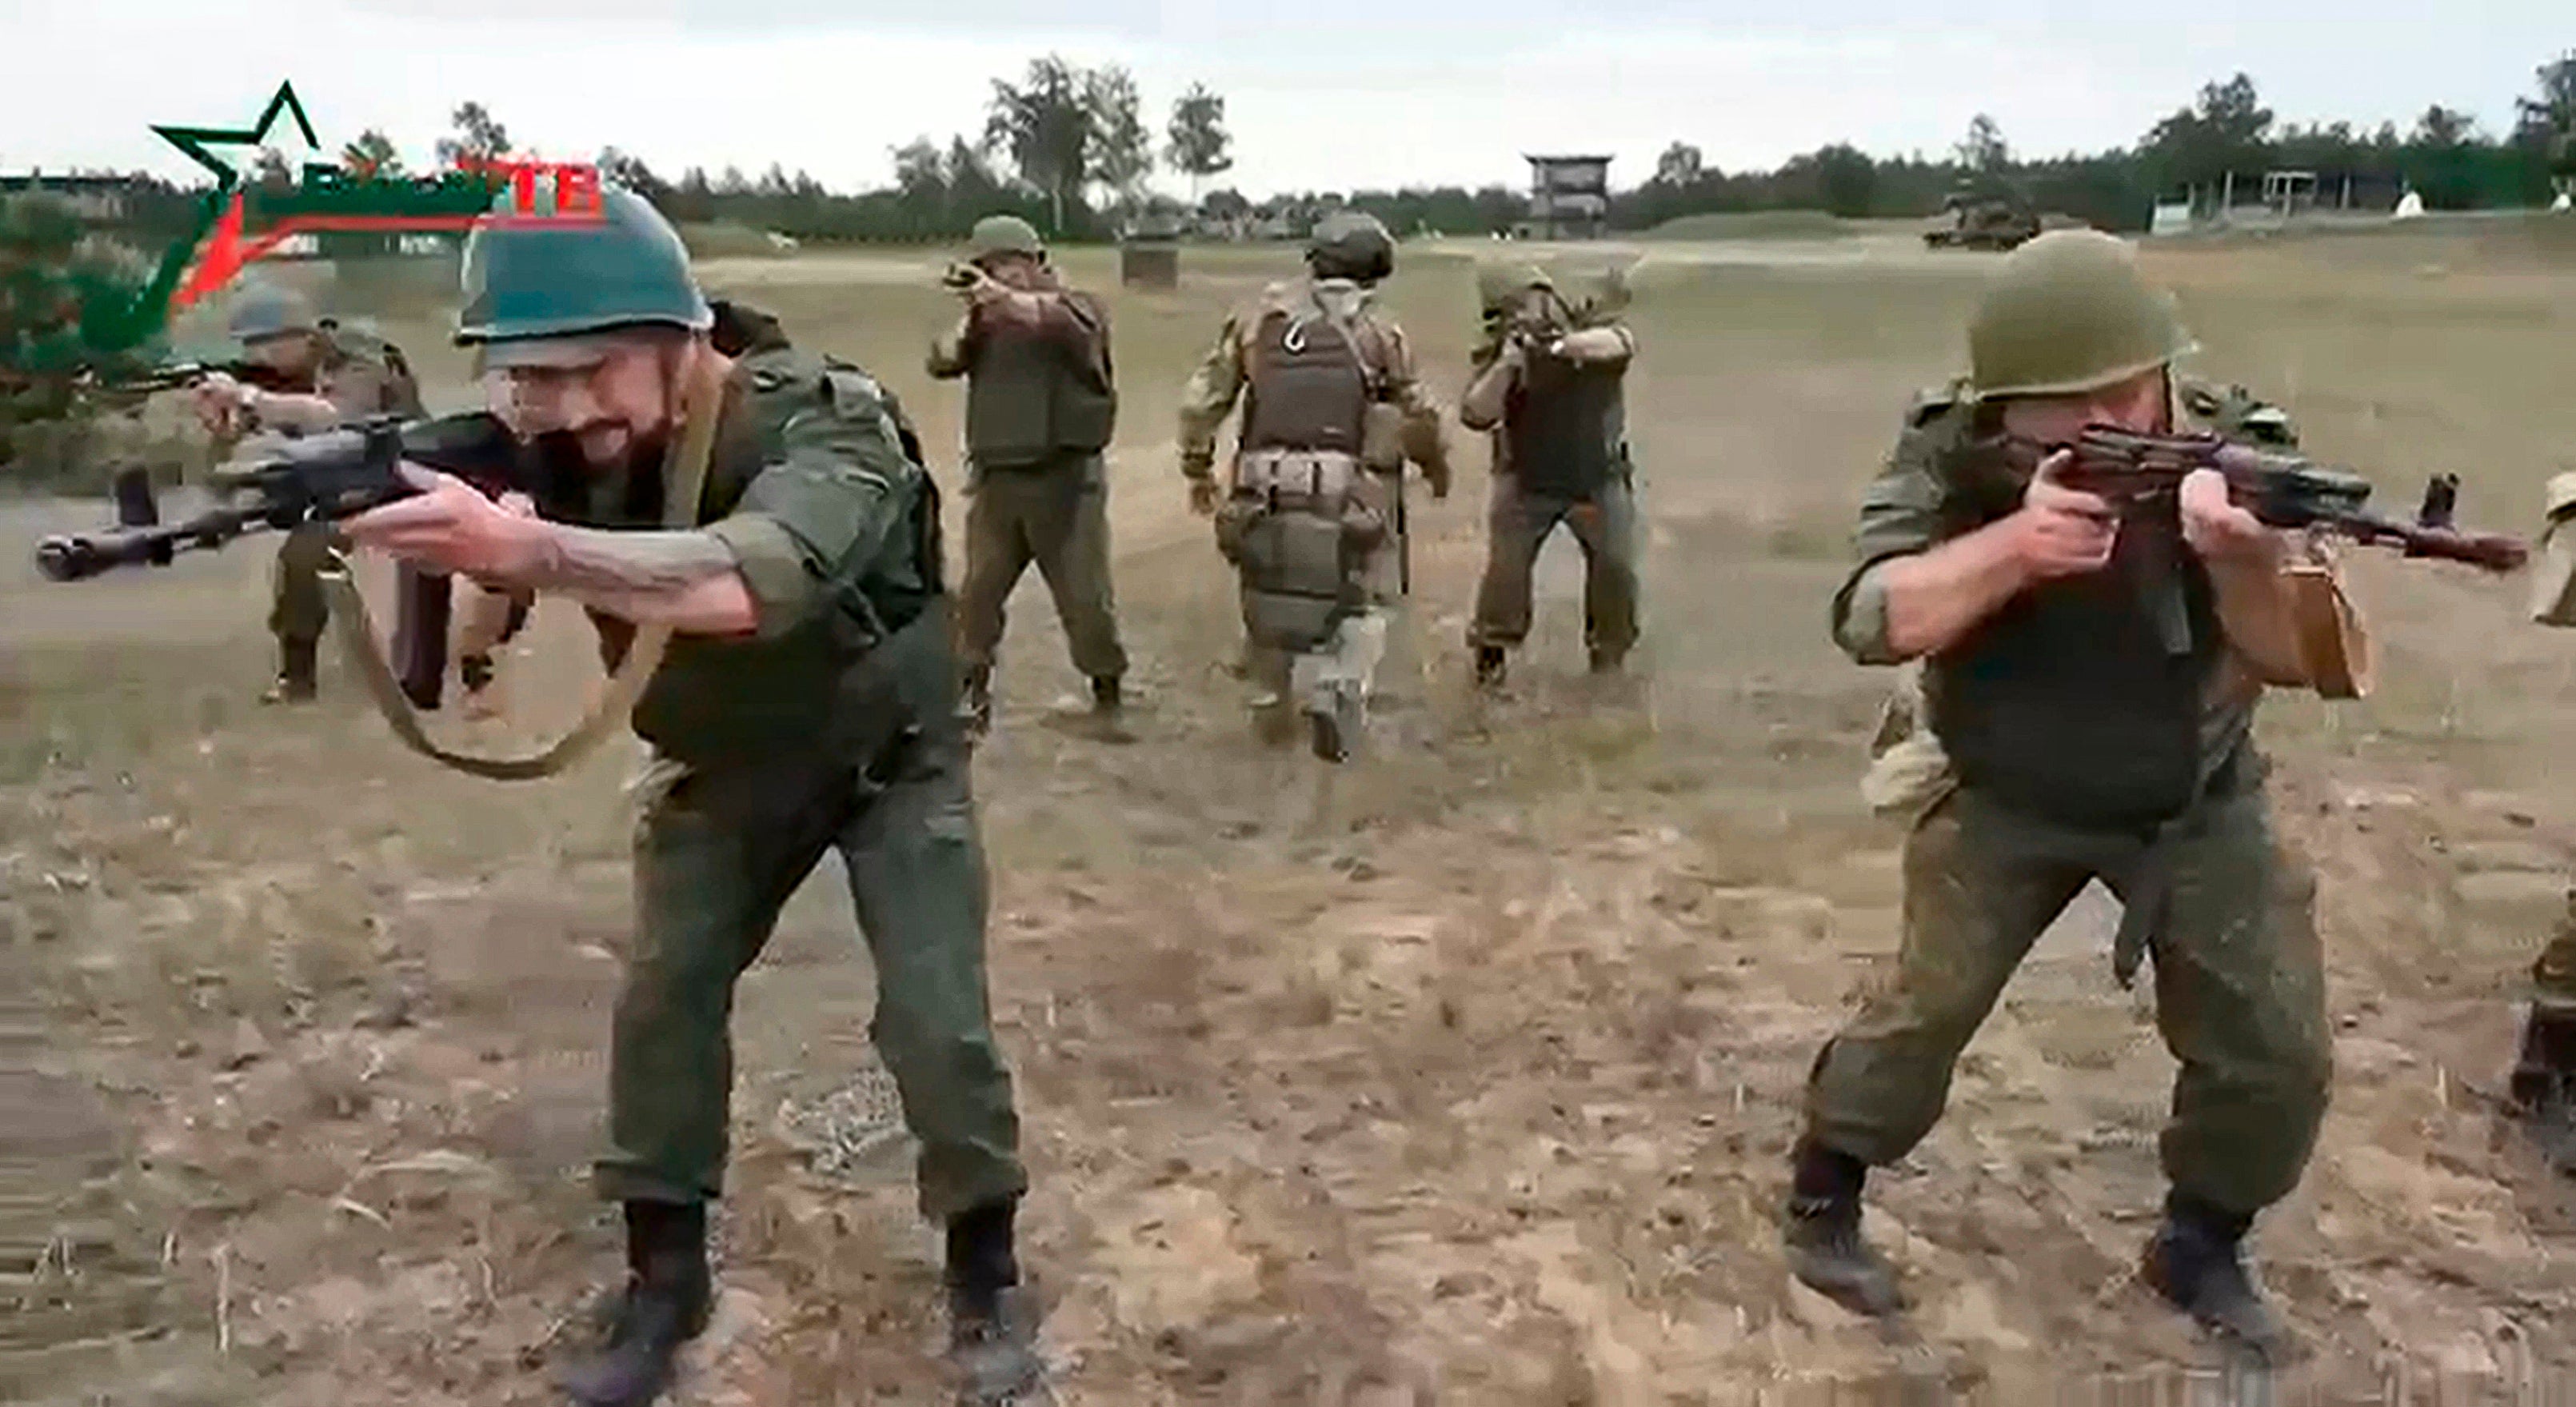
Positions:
(1067, 147)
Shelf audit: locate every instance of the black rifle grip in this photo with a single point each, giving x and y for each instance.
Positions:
(420, 633)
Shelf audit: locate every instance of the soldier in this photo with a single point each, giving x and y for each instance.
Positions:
(1549, 389)
(324, 375)
(808, 702)
(2543, 1088)
(1040, 407)
(2090, 714)
(1313, 514)
(2543, 1091)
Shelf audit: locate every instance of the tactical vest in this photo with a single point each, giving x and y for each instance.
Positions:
(1565, 427)
(2068, 702)
(839, 684)
(1031, 397)
(1310, 386)
(1305, 515)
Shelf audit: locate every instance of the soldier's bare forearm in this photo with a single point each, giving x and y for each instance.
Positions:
(1935, 597)
(689, 581)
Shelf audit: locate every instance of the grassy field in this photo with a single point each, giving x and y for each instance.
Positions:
(1463, 1075)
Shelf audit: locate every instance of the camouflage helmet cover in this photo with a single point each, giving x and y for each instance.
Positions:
(264, 310)
(2070, 312)
(542, 277)
(1004, 234)
(1350, 244)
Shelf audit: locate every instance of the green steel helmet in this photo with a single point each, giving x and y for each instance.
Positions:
(2069, 312)
(530, 277)
(1004, 234)
(270, 310)
(1350, 244)
(1499, 285)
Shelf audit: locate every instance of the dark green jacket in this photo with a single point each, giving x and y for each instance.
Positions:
(836, 528)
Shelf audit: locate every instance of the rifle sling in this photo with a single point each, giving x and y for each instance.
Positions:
(703, 403)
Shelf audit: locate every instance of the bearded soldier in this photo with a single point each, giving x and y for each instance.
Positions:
(807, 703)
(320, 374)
(1040, 406)
(1312, 517)
(1549, 389)
(2089, 695)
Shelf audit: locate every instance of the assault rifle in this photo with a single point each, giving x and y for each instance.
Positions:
(178, 376)
(2141, 477)
(319, 478)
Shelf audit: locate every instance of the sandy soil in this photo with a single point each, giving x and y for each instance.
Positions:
(1465, 1075)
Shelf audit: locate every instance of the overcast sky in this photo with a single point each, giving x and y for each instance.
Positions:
(1322, 94)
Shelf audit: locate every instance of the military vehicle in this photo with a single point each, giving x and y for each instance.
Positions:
(1984, 221)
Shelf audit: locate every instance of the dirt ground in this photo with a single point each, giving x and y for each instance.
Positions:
(1462, 1075)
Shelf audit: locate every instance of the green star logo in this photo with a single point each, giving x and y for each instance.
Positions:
(195, 140)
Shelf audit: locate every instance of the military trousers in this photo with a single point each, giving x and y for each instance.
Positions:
(1518, 524)
(718, 852)
(1340, 673)
(298, 611)
(1056, 515)
(2239, 987)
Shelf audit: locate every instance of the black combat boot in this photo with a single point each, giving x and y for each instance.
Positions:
(975, 701)
(297, 666)
(992, 1325)
(1108, 698)
(2544, 1082)
(2197, 1262)
(664, 1305)
(1491, 660)
(1606, 661)
(1822, 1234)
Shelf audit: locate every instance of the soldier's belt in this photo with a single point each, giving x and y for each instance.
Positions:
(1322, 475)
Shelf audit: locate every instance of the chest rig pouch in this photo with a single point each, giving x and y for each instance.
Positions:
(1306, 514)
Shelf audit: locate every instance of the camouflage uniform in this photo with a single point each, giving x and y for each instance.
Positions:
(1567, 415)
(1334, 677)
(2240, 983)
(1040, 406)
(2093, 727)
(360, 375)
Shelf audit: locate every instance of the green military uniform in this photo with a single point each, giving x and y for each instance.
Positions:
(360, 375)
(2094, 727)
(1560, 456)
(833, 728)
(830, 726)
(1041, 405)
(2239, 978)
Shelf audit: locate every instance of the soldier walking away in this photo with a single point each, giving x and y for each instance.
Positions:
(324, 374)
(1312, 517)
(1549, 391)
(2090, 689)
(807, 703)
(1041, 404)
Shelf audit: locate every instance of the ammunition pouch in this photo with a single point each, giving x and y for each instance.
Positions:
(1301, 528)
